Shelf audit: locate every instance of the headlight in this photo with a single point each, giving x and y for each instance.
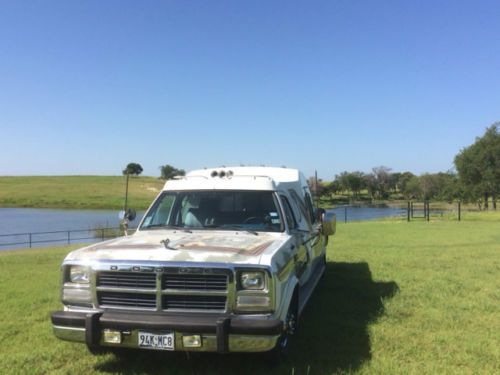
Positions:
(76, 286)
(79, 274)
(253, 280)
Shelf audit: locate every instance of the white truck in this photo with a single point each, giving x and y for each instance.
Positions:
(224, 260)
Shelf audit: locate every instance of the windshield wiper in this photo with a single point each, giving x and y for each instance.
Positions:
(179, 228)
(156, 226)
(237, 227)
(153, 226)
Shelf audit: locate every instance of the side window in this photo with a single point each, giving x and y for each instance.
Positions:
(305, 205)
(290, 218)
(160, 213)
(310, 208)
(297, 205)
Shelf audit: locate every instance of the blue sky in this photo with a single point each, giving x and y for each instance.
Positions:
(88, 86)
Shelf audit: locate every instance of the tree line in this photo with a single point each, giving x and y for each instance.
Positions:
(476, 178)
(167, 172)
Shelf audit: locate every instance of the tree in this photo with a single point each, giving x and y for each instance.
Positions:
(429, 185)
(403, 180)
(478, 167)
(382, 181)
(341, 181)
(316, 189)
(394, 181)
(133, 169)
(168, 172)
(355, 182)
(331, 188)
(412, 189)
(449, 187)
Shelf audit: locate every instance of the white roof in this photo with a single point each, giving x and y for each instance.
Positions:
(238, 178)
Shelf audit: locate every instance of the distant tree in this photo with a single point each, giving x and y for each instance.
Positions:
(429, 185)
(449, 187)
(355, 182)
(478, 167)
(403, 179)
(168, 172)
(382, 181)
(342, 182)
(330, 188)
(394, 181)
(317, 189)
(133, 169)
(348, 182)
(412, 189)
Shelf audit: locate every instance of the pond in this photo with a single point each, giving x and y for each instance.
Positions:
(360, 213)
(16, 224)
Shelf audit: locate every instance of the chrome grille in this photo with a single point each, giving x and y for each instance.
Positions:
(169, 288)
(127, 280)
(127, 300)
(194, 302)
(196, 282)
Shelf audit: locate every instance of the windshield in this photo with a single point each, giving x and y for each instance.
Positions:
(247, 210)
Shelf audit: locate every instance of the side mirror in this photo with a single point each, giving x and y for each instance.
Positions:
(320, 213)
(329, 223)
(129, 215)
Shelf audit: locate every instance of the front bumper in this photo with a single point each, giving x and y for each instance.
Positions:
(218, 333)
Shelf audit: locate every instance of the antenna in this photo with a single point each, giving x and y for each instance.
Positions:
(316, 187)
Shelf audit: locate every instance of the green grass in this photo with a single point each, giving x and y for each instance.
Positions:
(397, 298)
(77, 191)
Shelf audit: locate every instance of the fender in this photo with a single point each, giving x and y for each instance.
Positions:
(287, 293)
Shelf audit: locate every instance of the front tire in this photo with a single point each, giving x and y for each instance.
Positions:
(282, 347)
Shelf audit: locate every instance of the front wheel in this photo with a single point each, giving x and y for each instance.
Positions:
(291, 324)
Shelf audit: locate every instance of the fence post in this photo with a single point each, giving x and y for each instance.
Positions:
(345, 214)
(30, 239)
(427, 210)
(459, 210)
(408, 212)
(69, 241)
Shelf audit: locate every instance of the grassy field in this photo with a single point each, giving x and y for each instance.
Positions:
(77, 191)
(397, 298)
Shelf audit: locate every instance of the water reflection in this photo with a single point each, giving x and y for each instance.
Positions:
(21, 221)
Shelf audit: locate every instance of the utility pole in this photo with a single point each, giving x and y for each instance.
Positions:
(316, 186)
(126, 194)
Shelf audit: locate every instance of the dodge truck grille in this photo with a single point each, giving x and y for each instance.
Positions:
(200, 282)
(134, 300)
(194, 302)
(176, 289)
(127, 280)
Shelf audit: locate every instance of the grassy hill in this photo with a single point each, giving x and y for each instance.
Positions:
(397, 298)
(77, 191)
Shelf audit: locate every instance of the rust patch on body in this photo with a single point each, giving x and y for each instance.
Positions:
(143, 246)
(202, 243)
(241, 251)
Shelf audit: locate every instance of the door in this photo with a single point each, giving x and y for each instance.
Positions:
(300, 244)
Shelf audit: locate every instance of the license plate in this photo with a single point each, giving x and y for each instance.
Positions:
(156, 341)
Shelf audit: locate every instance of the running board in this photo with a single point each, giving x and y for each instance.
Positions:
(306, 290)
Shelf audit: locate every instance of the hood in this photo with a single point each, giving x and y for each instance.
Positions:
(176, 246)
